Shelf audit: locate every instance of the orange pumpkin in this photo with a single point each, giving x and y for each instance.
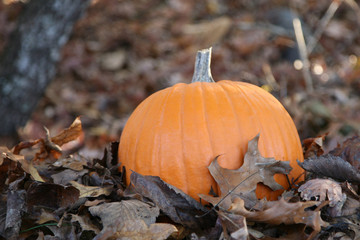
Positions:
(176, 132)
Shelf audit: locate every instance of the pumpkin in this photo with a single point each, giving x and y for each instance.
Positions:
(176, 132)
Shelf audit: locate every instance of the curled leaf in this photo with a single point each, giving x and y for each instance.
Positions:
(321, 190)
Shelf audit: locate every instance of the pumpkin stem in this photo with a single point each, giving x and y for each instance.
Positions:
(202, 71)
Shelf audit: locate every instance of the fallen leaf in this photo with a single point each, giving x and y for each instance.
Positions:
(124, 211)
(349, 151)
(69, 134)
(333, 167)
(46, 216)
(243, 181)
(234, 225)
(64, 231)
(91, 191)
(89, 203)
(51, 146)
(178, 206)
(73, 163)
(50, 196)
(322, 190)
(282, 212)
(130, 219)
(314, 146)
(137, 230)
(85, 223)
(25, 165)
(67, 175)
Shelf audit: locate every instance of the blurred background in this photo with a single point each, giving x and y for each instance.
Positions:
(122, 51)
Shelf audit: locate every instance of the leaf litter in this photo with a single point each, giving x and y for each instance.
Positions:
(76, 197)
(155, 55)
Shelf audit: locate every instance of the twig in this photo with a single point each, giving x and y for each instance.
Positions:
(323, 23)
(303, 54)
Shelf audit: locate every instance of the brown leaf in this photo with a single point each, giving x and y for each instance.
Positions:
(281, 212)
(181, 208)
(322, 190)
(91, 191)
(65, 176)
(124, 211)
(333, 167)
(69, 134)
(50, 196)
(234, 224)
(137, 230)
(314, 146)
(25, 165)
(349, 151)
(85, 223)
(46, 216)
(76, 164)
(132, 219)
(51, 146)
(243, 181)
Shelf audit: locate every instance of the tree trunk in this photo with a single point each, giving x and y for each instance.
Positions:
(28, 62)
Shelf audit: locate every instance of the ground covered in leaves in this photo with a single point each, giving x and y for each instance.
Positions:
(121, 52)
(47, 193)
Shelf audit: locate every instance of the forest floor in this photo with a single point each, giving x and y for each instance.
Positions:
(123, 51)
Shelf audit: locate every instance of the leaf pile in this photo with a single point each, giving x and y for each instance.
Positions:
(72, 197)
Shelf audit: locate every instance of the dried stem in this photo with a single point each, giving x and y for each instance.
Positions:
(303, 54)
(202, 72)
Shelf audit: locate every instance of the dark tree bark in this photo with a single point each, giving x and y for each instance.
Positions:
(28, 62)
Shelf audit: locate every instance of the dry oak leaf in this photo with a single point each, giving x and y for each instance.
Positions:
(320, 189)
(137, 230)
(125, 210)
(282, 212)
(27, 166)
(131, 219)
(51, 146)
(243, 181)
(69, 134)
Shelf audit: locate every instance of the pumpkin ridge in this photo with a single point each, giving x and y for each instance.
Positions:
(156, 101)
(182, 137)
(205, 114)
(202, 89)
(138, 115)
(245, 96)
(260, 102)
(166, 162)
(230, 102)
(161, 120)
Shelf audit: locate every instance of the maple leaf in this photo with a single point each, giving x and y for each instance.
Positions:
(243, 181)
